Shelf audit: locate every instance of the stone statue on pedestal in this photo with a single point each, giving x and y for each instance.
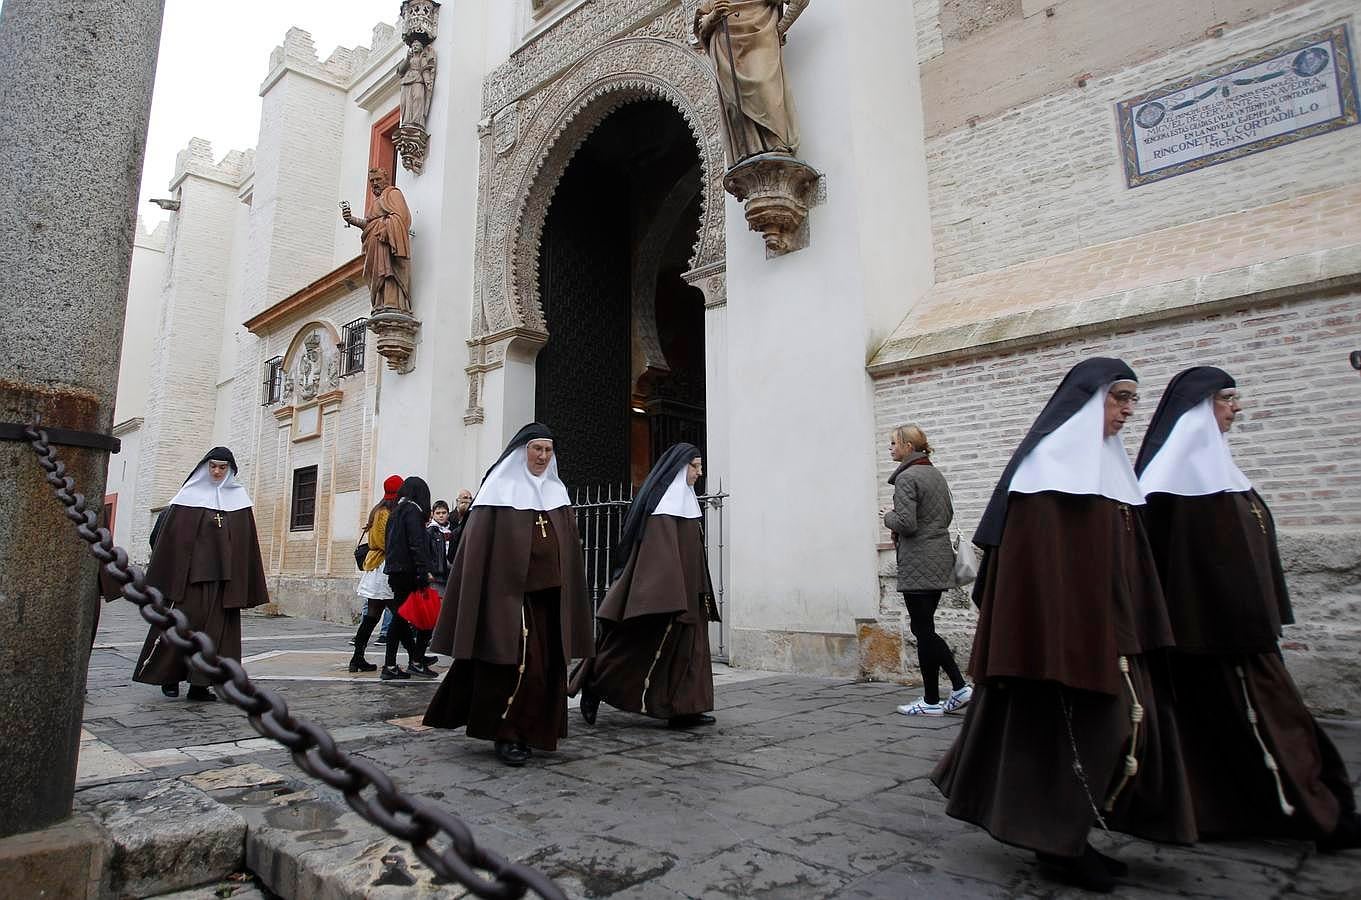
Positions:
(417, 71)
(743, 40)
(386, 240)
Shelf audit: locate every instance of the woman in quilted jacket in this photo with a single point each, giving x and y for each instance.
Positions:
(920, 521)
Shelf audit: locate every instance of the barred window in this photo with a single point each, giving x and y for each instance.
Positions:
(352, 347)
(274, 381)
(304, 513)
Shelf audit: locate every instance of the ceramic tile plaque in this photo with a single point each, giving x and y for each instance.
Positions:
(1288, 92)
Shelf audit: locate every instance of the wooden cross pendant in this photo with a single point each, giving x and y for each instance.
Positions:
(542, 522)
(1257, 514)
(1124, 511)
(217, 517)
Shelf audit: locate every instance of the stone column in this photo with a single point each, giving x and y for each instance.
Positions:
(75, 93)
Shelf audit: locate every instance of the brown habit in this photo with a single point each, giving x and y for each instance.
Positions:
(1227, 598)
(1070, 590)
(210, 572)
(508, 578)
(654, 646)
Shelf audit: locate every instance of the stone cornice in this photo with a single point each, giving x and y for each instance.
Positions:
(340, 280)
(1307, 275)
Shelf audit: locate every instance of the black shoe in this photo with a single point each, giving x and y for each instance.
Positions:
(430, 660)
(359, 664)
(512, 754)
(1086, 871)
(170, 690)
(590, 705)
(690, 721)
(1116, 867)
(199, 692)
(391, 673)
(382, 639)
(1346, 836)
(421, 669)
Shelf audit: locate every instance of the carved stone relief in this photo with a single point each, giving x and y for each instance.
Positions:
(517, 178)
(312, 364)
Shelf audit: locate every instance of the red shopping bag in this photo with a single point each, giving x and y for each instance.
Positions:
(421, 608)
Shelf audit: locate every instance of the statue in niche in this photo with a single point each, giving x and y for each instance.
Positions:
(288, 387)
(743, 40)
(309, 367)
(417, 71)
(333, 371)
(386, 240)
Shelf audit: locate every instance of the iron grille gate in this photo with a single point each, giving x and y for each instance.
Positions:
(600, 520)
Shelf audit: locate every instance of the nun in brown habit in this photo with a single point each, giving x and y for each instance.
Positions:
(1069, 726)
(1257, 762)
(205, 559)
(654, 623)
(515, 608)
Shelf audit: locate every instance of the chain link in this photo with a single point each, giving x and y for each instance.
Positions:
(413, 819)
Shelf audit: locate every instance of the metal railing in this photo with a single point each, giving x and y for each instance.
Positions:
(601, 511)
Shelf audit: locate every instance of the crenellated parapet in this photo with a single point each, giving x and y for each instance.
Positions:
(298, 53)
(197, 159)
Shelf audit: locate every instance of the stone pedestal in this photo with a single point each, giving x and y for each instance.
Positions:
(777, 190)
(411, 142)
(396, 332)
(77, 86)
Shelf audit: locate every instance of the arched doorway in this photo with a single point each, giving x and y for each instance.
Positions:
(622, 374)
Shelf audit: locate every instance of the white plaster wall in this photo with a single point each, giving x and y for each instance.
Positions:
(139, 321)
(180, 405)
(420, 419)
(803, 514)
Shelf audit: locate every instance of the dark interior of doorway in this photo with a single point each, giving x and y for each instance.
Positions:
(617, 238)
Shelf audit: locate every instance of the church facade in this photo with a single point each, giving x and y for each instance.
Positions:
(981, 195)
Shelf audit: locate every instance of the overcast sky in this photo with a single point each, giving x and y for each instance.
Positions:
(214, 54)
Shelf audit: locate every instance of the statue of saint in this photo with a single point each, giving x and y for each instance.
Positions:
(386, 240)
(743, 40)
(309, 367)
(417, 70)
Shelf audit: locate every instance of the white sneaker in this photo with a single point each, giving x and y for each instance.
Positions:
(959, 698)
(922, 708)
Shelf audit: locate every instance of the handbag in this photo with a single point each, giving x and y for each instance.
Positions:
(421, 608)
(966, 561)
(361, 551)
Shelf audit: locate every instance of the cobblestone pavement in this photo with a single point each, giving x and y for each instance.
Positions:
(806, 787)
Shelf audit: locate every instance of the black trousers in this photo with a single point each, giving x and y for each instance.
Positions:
(933, 654)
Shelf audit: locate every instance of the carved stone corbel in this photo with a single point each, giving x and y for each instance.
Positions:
(777, 190)
(396, 332)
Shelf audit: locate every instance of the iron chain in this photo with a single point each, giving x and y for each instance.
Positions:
(413, 819)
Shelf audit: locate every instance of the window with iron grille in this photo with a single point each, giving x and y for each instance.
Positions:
(304, 513)
(274, 381)
(352, 347)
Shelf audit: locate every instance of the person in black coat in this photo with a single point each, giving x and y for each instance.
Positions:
(408, 567)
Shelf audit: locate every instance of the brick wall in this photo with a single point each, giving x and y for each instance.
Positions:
(1297, 441)
(1045, 177)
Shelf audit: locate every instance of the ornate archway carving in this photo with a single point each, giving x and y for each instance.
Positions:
(526, 146)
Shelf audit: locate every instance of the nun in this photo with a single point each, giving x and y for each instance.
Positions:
(205, 559)
(654, 622)
(1257, 762)
(515, 608)
(1068, 727)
